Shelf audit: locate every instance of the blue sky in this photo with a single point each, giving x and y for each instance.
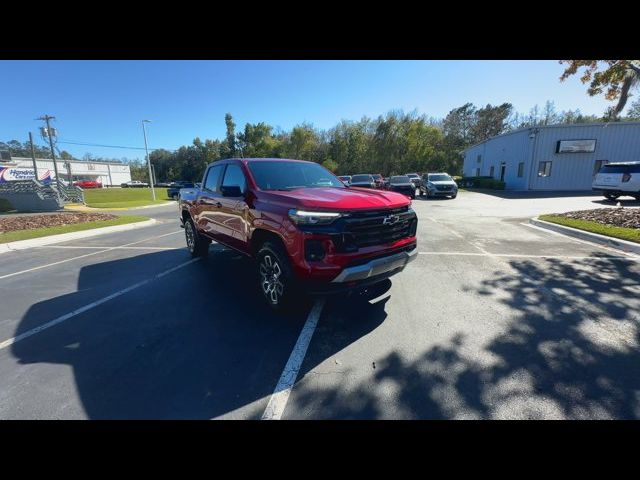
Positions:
(104, 101)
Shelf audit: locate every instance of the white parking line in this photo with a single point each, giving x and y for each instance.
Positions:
(518, 255)
(278, 401)
(85, 255)
(82, 247)
(85, 308)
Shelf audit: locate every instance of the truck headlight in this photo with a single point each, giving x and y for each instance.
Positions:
(303, 217)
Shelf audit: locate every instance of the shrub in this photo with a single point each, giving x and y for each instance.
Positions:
(482, 182)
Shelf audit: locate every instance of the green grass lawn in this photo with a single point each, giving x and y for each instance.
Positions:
(76, 227)
(123, 197)
(630, 234)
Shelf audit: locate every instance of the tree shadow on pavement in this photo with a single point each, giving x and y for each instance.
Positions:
(197, 344)
(569, 349)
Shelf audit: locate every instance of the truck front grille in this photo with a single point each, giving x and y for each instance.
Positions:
(376, 228)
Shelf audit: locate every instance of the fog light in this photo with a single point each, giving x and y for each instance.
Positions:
(314, 250)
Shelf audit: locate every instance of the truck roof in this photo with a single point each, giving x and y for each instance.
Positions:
(245, 160)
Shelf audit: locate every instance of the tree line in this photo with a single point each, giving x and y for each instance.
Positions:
(395, 143)
(390, 144)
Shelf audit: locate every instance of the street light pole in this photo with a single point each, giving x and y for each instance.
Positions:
(144, 131)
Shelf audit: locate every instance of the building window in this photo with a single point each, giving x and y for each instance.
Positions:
(521, 170)
(544, 169)
(492, 171)
(598, 165)
(479, 159)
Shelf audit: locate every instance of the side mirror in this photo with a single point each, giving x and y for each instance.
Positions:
(230, 191)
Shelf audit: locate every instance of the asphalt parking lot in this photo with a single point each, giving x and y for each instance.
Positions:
(495, 319)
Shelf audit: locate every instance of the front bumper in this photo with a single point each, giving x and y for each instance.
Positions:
(376, 267)
(443, 193)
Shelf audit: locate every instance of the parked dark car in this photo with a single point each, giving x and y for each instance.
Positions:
(174, 189)
(363, 181)
(402, 184)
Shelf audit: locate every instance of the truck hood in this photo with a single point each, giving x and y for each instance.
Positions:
(339, 198)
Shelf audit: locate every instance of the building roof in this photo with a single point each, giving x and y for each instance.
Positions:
(559, 125)
(104, 162)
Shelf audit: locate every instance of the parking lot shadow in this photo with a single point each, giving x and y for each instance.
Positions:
(570, 349)
(624, 201)
(196, 344)
(517, 194)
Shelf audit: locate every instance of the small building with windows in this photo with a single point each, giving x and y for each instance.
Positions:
(553, 157)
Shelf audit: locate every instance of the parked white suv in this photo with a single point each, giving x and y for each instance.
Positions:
(617, 179)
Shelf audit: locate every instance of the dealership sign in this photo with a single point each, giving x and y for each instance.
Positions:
(576, 146)
(8, 174)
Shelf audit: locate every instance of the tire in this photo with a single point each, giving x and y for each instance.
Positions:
(275, 277)
(454, 196)
(197, 245)
(611, 196)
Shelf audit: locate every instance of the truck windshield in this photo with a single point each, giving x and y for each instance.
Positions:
(361, 178)
(439, 178)
(284, 175)
(399, 180)
(629, 168)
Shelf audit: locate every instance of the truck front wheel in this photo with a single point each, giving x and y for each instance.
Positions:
(275, 277)
(198, 246)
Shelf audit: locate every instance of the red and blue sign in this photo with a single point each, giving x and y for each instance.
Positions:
(8, 174)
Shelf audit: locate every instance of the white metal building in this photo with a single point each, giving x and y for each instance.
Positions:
(108, 173)
(554, 157)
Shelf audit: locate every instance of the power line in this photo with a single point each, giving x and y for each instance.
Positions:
(112, 146)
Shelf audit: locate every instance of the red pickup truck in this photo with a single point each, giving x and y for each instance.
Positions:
(308, 231)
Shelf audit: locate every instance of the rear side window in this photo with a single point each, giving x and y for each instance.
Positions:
(213, 177)
(620, 169)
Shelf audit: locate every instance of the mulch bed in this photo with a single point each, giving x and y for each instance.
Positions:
(29, 222)
(616, 217)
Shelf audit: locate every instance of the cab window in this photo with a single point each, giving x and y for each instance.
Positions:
(234, 176)
(213, 177)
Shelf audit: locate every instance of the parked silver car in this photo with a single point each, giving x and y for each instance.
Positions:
(438, 185)
(617, 179)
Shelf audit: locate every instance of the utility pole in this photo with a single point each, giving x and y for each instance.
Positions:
(46, 118)
(33, 156)
(153, 192)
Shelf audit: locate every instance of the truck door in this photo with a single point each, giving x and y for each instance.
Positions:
(208, 202)
(233, 225)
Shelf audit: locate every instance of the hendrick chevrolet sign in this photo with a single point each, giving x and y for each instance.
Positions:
(8, 174)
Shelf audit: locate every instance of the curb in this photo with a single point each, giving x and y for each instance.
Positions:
(618, 244)
(63, 237)
(84, 208)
